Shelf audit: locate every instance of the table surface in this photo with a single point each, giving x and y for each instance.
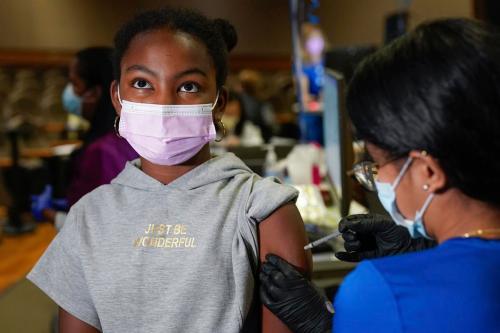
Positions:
(328, 271)
(50, 150)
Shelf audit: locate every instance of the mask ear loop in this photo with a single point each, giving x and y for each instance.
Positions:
(116, 124)
(216, 100)
(402, 172)
(420, 213)
(119, 97)
(422, 210)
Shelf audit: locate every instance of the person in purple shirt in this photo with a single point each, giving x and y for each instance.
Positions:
(103, 153)
(98, 164)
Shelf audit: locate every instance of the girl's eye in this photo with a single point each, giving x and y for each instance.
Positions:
(190, 87)
(141, 84)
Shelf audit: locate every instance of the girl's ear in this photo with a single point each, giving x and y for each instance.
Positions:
(113, 91)
(221, 104)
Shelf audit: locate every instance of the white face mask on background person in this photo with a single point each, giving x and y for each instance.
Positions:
(71, 102)
(167, 134)
(387, 195)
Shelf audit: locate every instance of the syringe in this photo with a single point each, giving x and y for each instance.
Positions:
(322, 240)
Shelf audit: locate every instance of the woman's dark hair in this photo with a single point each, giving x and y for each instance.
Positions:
(95, 68)
(218, 36)
(436, 89)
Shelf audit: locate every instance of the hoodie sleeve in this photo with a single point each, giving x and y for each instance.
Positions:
(266, 196)
(60, 274)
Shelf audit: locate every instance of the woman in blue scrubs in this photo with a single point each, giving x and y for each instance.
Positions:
(428, 108)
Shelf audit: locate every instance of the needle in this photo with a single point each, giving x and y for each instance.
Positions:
(322, 240)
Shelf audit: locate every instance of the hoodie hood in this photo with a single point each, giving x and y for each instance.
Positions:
(214, 170)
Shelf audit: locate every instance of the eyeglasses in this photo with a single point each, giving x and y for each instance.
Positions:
(365, 173)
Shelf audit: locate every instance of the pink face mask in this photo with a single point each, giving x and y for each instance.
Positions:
(315, 45)
(167, 134)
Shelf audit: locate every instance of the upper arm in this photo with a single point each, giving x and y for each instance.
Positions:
(283, 234)
(70, 324)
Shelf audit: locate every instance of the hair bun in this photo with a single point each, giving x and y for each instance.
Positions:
(228, 33)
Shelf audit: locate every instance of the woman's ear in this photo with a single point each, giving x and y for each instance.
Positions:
(428, 173)
(221, 104)
(115, 99)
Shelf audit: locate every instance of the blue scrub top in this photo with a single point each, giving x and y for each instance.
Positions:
(454, 287)
(314, 73)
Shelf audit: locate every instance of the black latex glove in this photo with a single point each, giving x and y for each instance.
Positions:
(372, 236)
(293, 298)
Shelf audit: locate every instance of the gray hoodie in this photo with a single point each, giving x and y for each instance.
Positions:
(140, 256)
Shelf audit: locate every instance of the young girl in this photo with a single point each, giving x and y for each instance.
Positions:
(173, 244)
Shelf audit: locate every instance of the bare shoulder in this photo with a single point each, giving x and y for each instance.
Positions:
(283, 234)
(69, 323)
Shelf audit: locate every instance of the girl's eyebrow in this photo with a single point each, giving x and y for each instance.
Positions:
(190, 71)
(142, 68)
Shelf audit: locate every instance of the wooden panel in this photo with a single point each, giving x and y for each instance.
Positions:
(48, 59)
(259, 62)
(34, 59)
(479, 9)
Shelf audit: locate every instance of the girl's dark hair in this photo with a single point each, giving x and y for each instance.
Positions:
(436, 89)
(94, 67)
(218, 36)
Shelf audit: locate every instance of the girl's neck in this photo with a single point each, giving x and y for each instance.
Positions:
(168, 173)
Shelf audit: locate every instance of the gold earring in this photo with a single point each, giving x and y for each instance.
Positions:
(223, 131)
(116, 126)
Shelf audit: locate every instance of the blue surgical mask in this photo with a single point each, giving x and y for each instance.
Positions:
(387, 195)
(72, 103)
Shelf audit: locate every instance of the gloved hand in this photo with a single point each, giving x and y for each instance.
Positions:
(60, 204)
(41, 202)
(372, 236)
(44, 201)
(293, 298)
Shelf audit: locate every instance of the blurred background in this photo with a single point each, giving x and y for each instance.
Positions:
(286, 118)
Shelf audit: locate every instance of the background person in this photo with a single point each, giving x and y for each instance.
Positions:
(240, 131)
(103, 154)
